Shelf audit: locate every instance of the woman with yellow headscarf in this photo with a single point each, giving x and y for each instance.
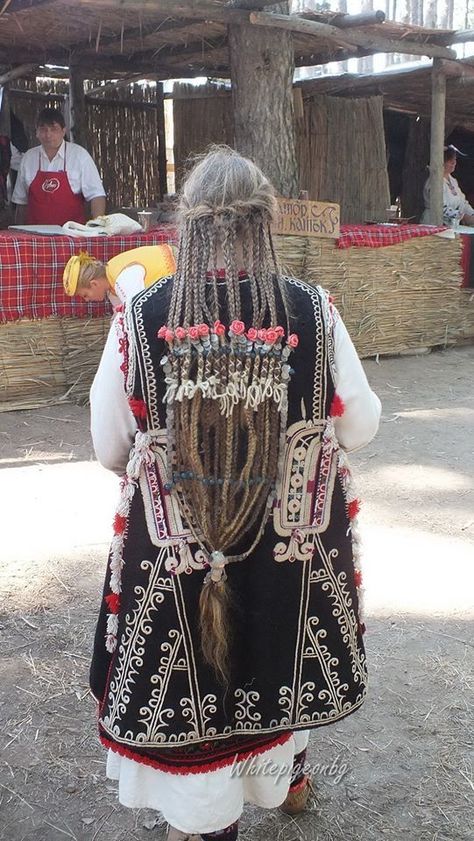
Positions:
(121, 277)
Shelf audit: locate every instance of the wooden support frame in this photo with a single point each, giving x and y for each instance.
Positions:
(77, 106)
(160, 119)
(17, 73)
(438, 116)
(349, 37)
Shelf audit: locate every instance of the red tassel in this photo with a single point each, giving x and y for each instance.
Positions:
(337, 407)
(138, 407)
(353, 508)
(120, 524)
(357, 577)
(113, 602)
(362, 628)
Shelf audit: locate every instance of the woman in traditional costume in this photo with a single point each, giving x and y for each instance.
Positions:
(456, 208)
(230, 624)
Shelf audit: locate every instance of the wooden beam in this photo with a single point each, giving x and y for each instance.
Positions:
(456, 70)
(195, 9)
(160, 119)
(21, 93)
(375, 43)
(17, 73)
(98, 92)
(438, 116)
(462, 36)
(77, 106)
(139, 104)
(361, 19)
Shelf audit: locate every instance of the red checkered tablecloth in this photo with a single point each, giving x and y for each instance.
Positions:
(31, 270)
(379, 236)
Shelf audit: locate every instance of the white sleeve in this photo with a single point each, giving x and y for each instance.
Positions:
(20, 193)
(362, 408)
(91, 184)
(466, 209)
(130, 281)
(113, 426)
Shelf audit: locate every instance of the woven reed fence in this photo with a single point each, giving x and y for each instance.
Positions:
(121, 137)
(201, 116)
(48, 361)
(395, 299)
(340, 145)
(342, 155)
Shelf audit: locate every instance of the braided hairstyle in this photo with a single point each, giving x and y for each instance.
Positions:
(226, 394)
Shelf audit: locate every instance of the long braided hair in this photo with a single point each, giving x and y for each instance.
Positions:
(226, 379)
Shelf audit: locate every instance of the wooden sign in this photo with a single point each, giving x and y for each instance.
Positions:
(307, 219)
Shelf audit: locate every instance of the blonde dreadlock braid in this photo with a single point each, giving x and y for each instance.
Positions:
(225, 411)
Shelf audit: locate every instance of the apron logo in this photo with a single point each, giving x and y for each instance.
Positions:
(50, 185)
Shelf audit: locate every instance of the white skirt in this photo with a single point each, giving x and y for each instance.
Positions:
(197, 803)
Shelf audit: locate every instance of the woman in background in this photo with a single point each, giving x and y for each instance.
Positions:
(235, 535)
(456, 208)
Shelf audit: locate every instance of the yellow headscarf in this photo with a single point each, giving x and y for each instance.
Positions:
(72, 271)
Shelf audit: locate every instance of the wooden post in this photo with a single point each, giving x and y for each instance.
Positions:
(160, 119)
(438, 114)
(261, 66)
(77, 106)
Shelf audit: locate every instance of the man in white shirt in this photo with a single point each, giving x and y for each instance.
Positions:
(56, 179)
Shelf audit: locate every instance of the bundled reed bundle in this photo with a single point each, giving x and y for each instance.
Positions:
(291, 254)
(83, 345)
(31, 368)
(46, 361)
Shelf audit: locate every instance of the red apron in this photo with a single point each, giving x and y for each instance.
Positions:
(51, 200)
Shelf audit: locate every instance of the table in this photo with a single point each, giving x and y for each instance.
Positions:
(31, 269)
(50, 344)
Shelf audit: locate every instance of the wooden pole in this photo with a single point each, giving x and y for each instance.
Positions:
(361, 19)
(438, 114)
(160, 119)
(77, 106)
(261, 66)
(462, 36)
(349, 37)
(17, 73)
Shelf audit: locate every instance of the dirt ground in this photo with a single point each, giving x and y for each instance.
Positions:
(400, 768)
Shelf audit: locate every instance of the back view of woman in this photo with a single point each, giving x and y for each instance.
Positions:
(230, 624)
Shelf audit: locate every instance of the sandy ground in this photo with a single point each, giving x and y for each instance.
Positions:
(400, 768)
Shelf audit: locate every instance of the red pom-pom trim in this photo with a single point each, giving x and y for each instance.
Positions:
(113, 602)
(337, 407)
(120, 524)
(353, 508)
(138, 407)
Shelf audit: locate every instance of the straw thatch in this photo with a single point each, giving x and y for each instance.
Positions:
(49, 360)
(343, 159)
(176, 39)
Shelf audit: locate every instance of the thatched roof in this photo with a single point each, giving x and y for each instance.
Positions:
(408, 90)
(172, 38)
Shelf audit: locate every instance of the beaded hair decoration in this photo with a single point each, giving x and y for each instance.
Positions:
(226, 398)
